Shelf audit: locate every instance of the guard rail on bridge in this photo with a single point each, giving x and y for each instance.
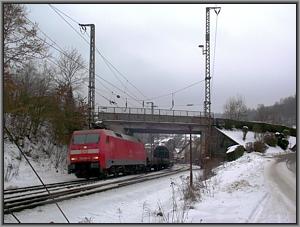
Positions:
(150, 115)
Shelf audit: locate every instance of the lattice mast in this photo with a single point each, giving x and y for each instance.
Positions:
(91, 87)
(206, 52)
(207, 102)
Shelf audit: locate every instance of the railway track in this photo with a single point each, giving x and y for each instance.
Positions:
(26, 198)
(49, 186)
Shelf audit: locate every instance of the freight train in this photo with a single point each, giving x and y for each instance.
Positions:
(102, 152)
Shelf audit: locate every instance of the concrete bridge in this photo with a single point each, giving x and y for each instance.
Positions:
(145, 120)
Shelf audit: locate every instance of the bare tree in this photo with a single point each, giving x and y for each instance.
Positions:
(28, 103)
(71, 72)
(262, 113)
(235, 108)
(20, 37)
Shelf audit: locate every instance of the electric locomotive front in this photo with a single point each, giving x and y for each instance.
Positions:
(84, 153)
(101, 152)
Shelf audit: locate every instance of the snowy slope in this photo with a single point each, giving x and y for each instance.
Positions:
(234, 195)
(237, 136)
(19, 174)
(241, 192)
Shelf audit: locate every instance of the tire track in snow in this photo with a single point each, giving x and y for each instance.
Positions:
(258, 209)
(278, 204)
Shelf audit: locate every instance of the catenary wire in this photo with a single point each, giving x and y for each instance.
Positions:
(176, 91)
(106, 61)
(103, 57)
(51, 45)
(14, 140)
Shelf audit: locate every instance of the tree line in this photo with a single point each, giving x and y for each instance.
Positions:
(282, 112)
(40, 91)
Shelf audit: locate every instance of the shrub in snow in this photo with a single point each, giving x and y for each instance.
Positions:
(228, 125)
(286, 133)
(283, 143)
(259, 146)
(234, 152)
(237, 185)
(270, 139)
(179, 211)
(86, 220)
(257, 131)
(249, 147)
(245, 130)
(279, 135)
(282, 139)
(189, 193)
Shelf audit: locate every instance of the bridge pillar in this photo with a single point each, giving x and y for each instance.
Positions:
(203, 148)
(206, 142)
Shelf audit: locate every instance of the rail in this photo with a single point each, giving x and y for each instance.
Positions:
(30, 200)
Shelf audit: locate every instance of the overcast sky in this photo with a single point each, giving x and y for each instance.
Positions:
(156, 47)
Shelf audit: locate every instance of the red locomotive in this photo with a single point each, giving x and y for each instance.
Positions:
(100, 152)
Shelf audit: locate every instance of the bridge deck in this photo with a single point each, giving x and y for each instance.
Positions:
(150, 115)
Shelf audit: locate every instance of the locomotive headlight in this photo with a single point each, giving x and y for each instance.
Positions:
(96, 158)
(73, 159)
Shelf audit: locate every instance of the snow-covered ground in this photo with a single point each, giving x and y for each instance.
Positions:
(241, 192)
(19, 173)
(236, 135)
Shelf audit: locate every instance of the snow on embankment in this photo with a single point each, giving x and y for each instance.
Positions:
(241, 192)
(18, 173)
(237, 136)
(235, 191)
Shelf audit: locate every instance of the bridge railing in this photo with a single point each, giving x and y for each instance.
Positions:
(149, 111)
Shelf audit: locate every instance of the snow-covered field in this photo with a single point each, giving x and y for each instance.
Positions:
(240, 192)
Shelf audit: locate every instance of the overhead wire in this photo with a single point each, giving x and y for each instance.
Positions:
(15, 141)
(176, 91)
(214, 57)
(106, 61)
(62, 52)
(88, 44)
(59, 49)
(55, 10)
(103, 57)
(53, 62)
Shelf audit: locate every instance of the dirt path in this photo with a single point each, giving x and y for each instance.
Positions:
(279, 202)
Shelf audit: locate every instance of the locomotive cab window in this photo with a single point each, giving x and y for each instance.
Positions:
(84, 139)
(78, 139)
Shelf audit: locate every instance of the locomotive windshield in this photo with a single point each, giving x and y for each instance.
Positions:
(87, 138)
